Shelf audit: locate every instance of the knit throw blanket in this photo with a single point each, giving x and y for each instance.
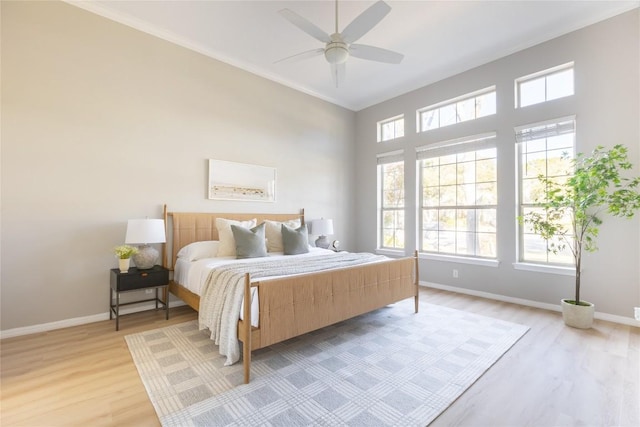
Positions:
(223, 292)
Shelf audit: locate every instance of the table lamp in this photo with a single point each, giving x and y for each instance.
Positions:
(144, 232)
(322, 227)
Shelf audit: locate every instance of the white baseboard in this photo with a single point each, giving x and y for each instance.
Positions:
(34, 329)
(529, 303)
(26, 330)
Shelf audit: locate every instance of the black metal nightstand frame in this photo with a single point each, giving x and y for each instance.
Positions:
(136, 280)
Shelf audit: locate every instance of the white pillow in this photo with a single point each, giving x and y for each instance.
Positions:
(199, 250)
(273, 233)
(227, 245)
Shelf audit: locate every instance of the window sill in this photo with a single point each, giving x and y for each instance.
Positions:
(541, 268)
(461, 259)
(391, 252)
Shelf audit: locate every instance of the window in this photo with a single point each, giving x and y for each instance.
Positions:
(391, 200)
(391, 128)
(458, 197)
(545, 85)
(544, 149)
(467, 107)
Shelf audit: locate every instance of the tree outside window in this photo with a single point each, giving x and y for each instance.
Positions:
(391, 201)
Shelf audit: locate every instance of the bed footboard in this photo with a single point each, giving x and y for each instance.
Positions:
(292, 306)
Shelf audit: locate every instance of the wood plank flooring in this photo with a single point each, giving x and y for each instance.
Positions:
(555, 375)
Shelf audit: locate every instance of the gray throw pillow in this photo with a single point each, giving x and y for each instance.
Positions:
(295, 241)
(249, 243)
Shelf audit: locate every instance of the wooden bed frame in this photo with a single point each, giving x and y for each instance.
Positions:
(292, 306)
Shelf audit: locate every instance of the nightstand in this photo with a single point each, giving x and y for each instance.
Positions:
(134, 280)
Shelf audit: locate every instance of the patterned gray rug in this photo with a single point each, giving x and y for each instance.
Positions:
(387, 368)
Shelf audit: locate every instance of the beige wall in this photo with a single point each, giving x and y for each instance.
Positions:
(607, 108)
(102, 123)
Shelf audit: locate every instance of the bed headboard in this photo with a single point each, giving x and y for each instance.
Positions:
(189, 227)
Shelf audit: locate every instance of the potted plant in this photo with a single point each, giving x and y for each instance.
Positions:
(571, 212)
(124, 253)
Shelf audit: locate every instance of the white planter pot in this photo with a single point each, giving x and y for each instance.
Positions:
(123, 264)
(577, 316)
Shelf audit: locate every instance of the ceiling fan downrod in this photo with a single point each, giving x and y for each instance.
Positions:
(336, 51)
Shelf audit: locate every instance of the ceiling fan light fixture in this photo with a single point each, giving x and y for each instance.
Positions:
(339, 46)
(336, 53)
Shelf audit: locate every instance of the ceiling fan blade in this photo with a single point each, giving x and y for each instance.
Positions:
(305, 25)
(373, 53)
(365, 21)
(303, 55)
(338, 73)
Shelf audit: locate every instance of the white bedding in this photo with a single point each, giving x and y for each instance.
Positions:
(193, 274)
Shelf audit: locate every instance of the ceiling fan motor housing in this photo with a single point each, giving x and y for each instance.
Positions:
(336, 51)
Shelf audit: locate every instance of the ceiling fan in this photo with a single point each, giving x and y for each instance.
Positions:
(340, 46)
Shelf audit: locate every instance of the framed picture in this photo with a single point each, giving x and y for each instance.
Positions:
(241, 181)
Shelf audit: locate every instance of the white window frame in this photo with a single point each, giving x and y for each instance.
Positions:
(457, 146)
(532, 132)
(454, 102)
(397, 131)
(385, 159)
(544, 74)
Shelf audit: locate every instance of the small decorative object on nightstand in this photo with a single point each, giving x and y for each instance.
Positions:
(335, 246)
(322, 227)
(143, 232)
(123, 253)
(136, 280)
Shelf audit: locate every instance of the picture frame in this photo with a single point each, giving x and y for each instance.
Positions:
(241, 181)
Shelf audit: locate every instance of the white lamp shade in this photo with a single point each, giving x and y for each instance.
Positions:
(145, 231)
(322, 227)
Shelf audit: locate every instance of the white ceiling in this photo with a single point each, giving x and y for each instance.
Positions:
(438, 38)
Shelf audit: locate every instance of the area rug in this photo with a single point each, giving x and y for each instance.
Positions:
(390, 367)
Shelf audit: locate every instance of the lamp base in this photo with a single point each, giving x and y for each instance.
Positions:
(322, 242)
(146, 257)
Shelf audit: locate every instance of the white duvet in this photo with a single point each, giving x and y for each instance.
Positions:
(193, 274)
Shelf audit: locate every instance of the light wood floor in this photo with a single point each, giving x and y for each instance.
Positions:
(553, 376)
